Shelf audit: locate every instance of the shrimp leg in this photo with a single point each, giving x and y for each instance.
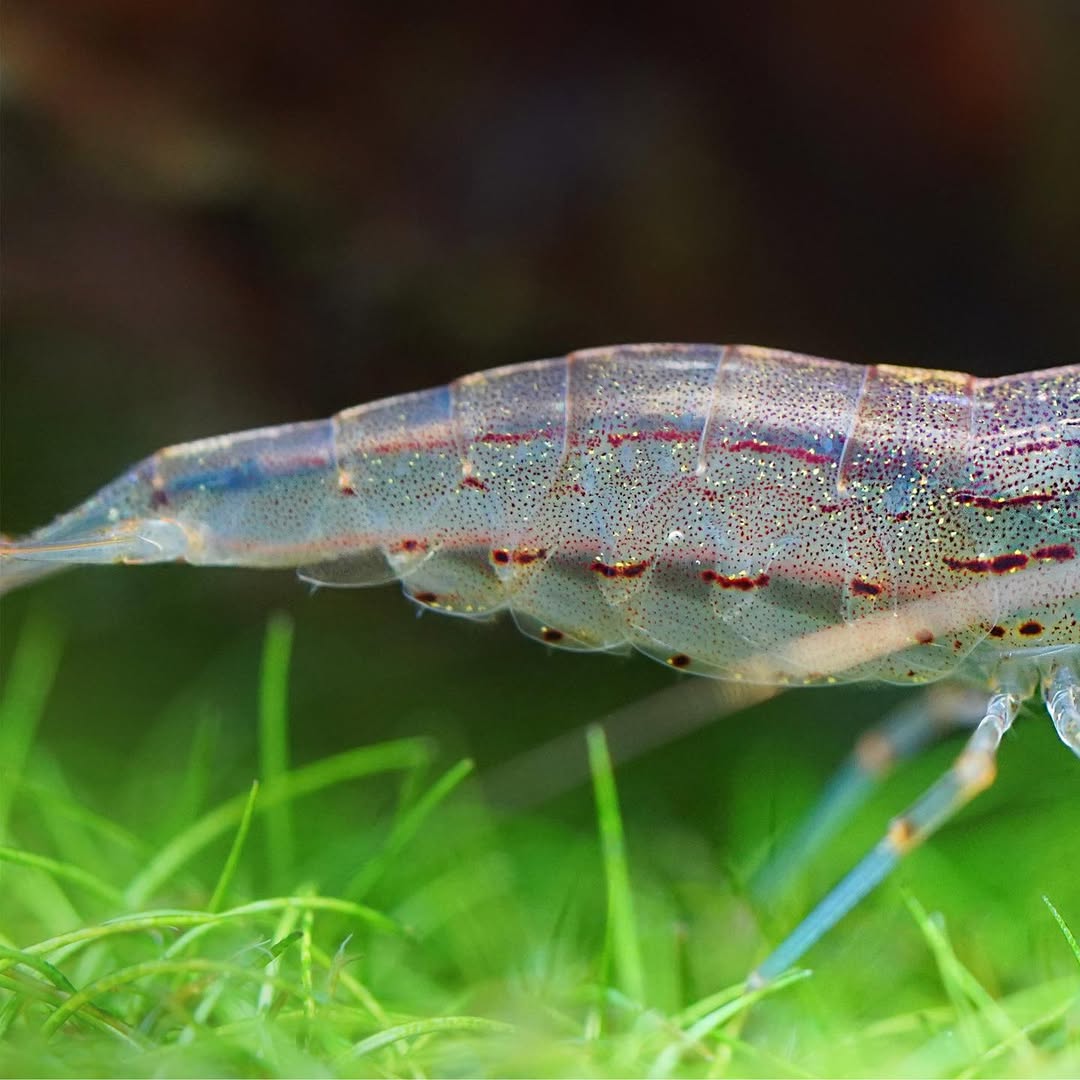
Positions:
(1061, 692)
(972, 772)
(902, 735)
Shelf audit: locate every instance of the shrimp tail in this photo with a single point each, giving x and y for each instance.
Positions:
(110, 527)
(256, 498)
(16, 571)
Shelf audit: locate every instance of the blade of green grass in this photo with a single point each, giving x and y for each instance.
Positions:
(12, 1007)
(314, 902)
(307, 964)
(972, 1001)
(23, 990)
(336, 974)
(62, 871)
(40, 965)
(426, 1027)
(349, 765)
(202, 922)
(274, 743)
(1055, 1014)
(282, 945)
(621, 925)
(123, 976)
(300, 902)
(406, 826)
(1063, 927)
(50, 794)
(42, 896)
(729, 1003)
(228, 871)
(191, 793)
(27, 683)
(772, 1064)
(285, 934)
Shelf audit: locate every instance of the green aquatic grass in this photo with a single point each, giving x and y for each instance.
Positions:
(622, 935)
(274, 742)
(370, 913)
(26, 687)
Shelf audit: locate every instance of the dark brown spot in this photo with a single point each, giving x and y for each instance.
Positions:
(679, 660)
(501, 555)
(1003, 564)
(347, 489)
(523, 556)
(957, 645)
(982, 502)
(999, 564)
(426, 597)
(738, 581)
(158, 497)
(1055, 553)
(507, 438)
(472, 482)
(997, 631)
(551, 636)
(865, 588)
(1031, 628)
(759, 447)
(974, 566)
(661, 435)
(924, 637)
(1030, 448)
(635, 569)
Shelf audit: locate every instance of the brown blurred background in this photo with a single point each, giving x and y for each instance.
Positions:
(219, 216)
(227, 214)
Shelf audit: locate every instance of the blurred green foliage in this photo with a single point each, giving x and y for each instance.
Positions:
(416, 928)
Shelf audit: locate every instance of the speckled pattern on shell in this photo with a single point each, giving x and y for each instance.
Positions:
(707, 505)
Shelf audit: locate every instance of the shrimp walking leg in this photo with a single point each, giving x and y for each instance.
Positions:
(972, 772)
(903, 734)
(1061, 692)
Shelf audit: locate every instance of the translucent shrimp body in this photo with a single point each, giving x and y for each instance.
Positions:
(711, 506)
(737, 512)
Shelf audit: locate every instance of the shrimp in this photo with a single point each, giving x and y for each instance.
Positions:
(732, 511)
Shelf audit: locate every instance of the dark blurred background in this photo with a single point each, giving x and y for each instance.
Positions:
(219, 216)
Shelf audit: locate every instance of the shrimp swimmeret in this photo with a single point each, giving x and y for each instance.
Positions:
(735, 512)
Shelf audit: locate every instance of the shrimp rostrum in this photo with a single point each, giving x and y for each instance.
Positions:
(735, 512)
